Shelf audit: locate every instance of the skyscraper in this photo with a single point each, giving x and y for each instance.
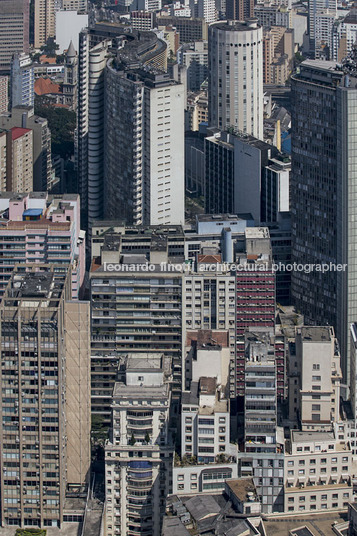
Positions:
(19, 174)
(235, 81)
(14, 30)
(22, 81)
(44, 21)
(323, 196)
(239, 9)
(44, 407)
(143, 147)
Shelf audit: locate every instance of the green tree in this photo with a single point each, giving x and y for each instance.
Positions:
(132, 440)
(62, 123)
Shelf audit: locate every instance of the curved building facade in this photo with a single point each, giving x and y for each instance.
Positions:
(235, 83)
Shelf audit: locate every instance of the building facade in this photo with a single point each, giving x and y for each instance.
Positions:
(45, 416)
(235, 82)
(22, 81)
(14, 31)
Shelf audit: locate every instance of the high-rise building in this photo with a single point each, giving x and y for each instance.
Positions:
(235, 170)
(14, 30)
(190, 29)
(44, 22)
(316, 365)
(139, 454)
(19, 162)
(44, 407)
(235, 81)
(344, 36)
(22, 92)
(318, 7)
(204, 9)
(3, 161)
(205, 412)
(195, 57)
(239, 9)
(80, 6)
(323, 208)
(143, 157)
(45, 229)
(23, 116)
(94, 52)
(4, 94)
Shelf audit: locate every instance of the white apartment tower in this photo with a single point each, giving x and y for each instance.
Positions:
(235, 82)
(138, 457)
(144, 147)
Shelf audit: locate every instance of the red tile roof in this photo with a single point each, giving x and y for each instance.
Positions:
(17, 132)
(45, 86)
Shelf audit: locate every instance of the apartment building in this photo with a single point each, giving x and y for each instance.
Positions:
(139, 454)
(190, 29)
(317, 472)
(19, 156)
(44, 22)
(38, 228)
(193, 479)
(24, 117)
(195, 57)
(44, 408)
(3, 161)
(204, 421)
(134, 309)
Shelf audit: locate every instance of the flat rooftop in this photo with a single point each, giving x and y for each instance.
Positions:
(299, 437)
(241, 487)
(318, 524)
(144, 362)
(256, 232)
(316, 334)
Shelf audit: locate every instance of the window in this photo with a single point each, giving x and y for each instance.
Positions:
(194, 485)
(324, 497)
(301, 471)
(316, 407)
(180, 477)
(194, 476)
(316, 378)
(316, 417)
(306, 449)
(312, 471)
(313, 498)
(333, 460)
(313, 461)
(315, 366)
(299, 449)
(290, 472)
(301, 498)
(290, 463)
(323, 460)
(291, 499)
(301, 462)
(181, 486)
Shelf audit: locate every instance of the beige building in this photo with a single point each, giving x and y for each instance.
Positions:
(4, 93)
(278, 54)
(315, 376)
(3, 137)
(75, 5)
(45, 21)
(45, 415)
(197, 109)
(19, 160)
(317, 472)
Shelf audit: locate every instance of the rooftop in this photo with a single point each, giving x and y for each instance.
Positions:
(316, 334)
(241, 488)
(299, 437)
(17, 132)
(237, 26)
(144, 362)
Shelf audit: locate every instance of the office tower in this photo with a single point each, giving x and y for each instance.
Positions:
(317, 469)
(195, 57)
(45, 368)
(14, 30)
(23, 116)
(318, 7)
(43, 229)
(19, 152)
(239, 9)
(235, 81)
(235, 166)
(4, 94)
(323, 35)
(275, 189)
(22, 81)
(44, 21)
(204, 421)
(143, 160)
(139, 454)
(322, 202)
(69, 86)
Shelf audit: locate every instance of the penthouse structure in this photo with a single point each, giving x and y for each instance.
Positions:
(44, 409)
(139, 454)
(38, 228)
